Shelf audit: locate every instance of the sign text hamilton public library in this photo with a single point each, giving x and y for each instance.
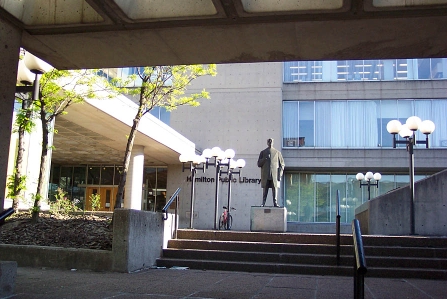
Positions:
(242, 180)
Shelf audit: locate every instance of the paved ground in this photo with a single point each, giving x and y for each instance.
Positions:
(170, 284)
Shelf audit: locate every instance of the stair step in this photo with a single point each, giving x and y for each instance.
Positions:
(313, 254)
(259, 246)
(257, 267)
(238, 256)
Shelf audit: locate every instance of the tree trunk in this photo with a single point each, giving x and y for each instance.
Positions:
(21, 148)
(127, 154)
(43, 165)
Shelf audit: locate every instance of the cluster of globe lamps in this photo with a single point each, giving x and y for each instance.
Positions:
(407, 131)
(219, 159)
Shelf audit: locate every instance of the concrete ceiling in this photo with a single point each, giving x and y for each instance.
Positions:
(95, 132)
(118, 33)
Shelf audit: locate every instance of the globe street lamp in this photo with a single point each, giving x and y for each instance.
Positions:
(194, 161)
(407, 131)
(219, 158)
(368, 177)
(232, 165)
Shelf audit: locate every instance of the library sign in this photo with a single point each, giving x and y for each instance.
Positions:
(241, 180)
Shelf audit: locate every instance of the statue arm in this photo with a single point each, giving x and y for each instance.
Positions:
(261, 159)
(281, 165)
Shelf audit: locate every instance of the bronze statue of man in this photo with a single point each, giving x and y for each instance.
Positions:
(272, 167)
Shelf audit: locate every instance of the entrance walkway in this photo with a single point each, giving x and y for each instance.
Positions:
(170, 284)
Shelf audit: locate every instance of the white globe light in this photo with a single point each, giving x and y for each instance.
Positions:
(405, 132)
(240, 163)
(393, 126)
(427, 127)
(377, 176)
(215, 151)
(233, 164)
(413, 123)
(183, 158)
(229, 153)
(207, 153)
(198, 159)
(359, 176)
(369, 176)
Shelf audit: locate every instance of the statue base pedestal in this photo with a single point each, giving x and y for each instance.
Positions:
(268, 219)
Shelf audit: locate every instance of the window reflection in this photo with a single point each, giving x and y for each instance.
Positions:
(365, 70)
(357, 124)
(312, 197)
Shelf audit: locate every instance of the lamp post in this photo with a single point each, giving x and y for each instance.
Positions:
(219, 159)
(28, 73)
(407, 131)
(231, 166)
(368, 177)
(194, 165)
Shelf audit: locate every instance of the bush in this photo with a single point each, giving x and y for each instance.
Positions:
(95, 200)
(62, 205)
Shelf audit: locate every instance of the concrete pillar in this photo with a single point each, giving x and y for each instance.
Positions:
(134, 182)
(10, 38)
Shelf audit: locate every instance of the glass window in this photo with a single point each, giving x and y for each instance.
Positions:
(365, 70)
(290, 124)
(107, 174)
(336, 123)
(323, 198)
(386, 184)
(291, 184)
(306, 205)
(93, 175)
(338, 184)
(154, 189)
(306, 124)
(117, 175)
(312, 197)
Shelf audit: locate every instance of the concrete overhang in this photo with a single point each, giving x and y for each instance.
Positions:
(118, 33)
(95, 132)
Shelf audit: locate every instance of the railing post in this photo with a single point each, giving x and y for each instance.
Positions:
(338, 227)
(175, 219)
(359, 261)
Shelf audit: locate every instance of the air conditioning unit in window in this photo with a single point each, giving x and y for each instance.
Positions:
(294, 142)
(291, 142)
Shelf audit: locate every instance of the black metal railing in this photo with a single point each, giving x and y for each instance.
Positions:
(166, 207)
(337, 227)
(5, 214)
(359, 261)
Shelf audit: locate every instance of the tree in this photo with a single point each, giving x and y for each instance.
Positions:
(23, 124)
(162, 86)
(58, 90)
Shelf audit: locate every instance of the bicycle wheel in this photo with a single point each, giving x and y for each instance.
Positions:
(230, 222)
(221, 222)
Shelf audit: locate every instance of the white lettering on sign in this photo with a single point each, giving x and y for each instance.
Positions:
(242, 180)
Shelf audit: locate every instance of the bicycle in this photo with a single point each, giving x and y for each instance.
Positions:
(226, 220)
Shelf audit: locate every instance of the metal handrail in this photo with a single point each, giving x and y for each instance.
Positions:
(337, 227)
(5, 214)
(359, 261)
(166, 207)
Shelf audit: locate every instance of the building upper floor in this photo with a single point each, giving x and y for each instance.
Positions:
(365, 70)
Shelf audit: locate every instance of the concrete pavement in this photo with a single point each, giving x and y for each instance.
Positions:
(172, 284)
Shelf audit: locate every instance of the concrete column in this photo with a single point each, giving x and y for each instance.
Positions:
(10, 38)
(134, 182)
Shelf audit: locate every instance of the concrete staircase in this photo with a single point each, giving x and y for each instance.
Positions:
(311, 254)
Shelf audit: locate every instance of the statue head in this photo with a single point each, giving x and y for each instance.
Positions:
(270, 142)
